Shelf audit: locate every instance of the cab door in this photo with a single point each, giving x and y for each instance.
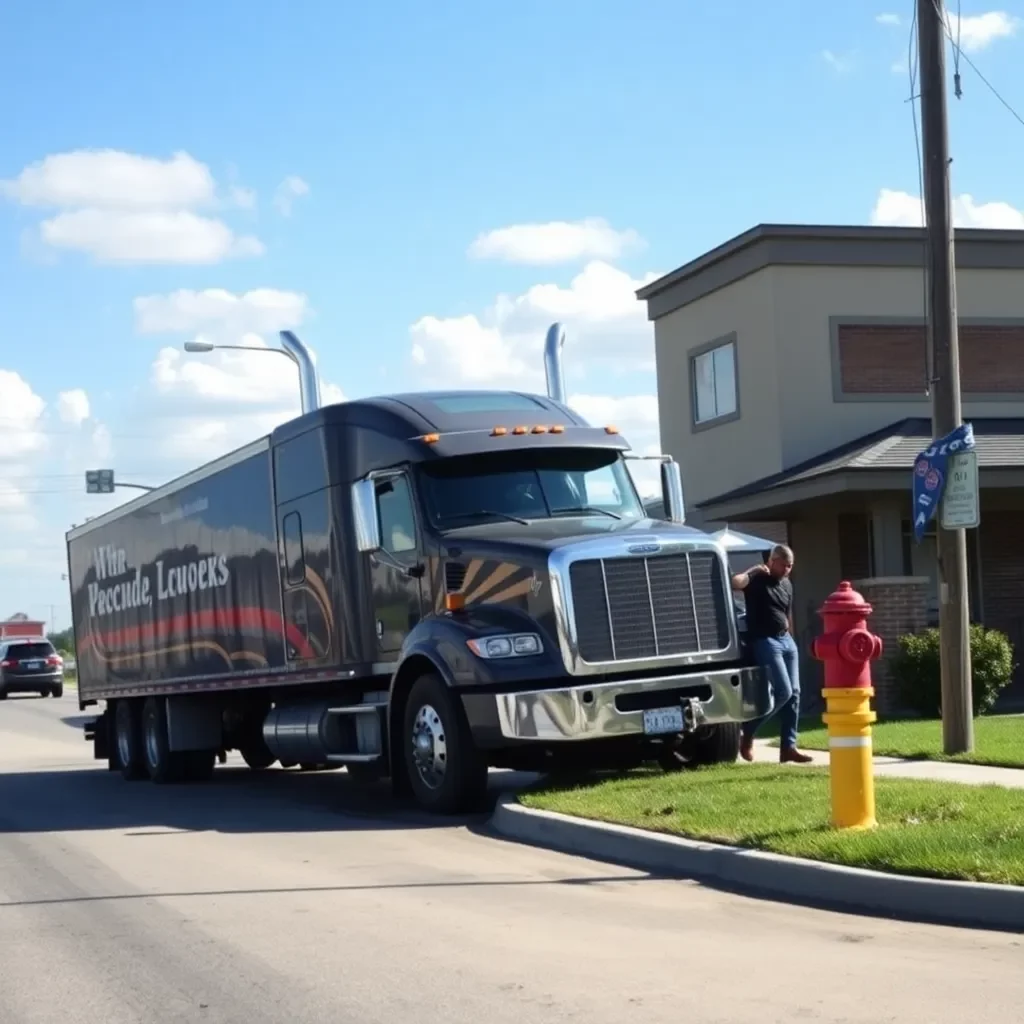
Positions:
(396, 573)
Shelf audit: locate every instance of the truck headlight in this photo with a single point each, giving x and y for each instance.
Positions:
(511, 645)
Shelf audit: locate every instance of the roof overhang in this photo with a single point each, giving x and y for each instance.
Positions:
(781, 500)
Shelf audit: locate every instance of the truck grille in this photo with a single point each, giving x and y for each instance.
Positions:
(632, 608)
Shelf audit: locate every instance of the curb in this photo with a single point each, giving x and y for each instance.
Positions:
(792, 879)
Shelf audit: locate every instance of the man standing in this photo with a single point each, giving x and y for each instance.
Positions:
(769, 598)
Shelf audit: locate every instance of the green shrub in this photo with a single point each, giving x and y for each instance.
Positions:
(915, 667)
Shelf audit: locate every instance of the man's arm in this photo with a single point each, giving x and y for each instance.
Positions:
(742, 579)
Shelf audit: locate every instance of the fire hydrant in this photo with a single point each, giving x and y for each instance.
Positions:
(847, 648)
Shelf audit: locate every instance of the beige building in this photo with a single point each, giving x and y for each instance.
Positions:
(794, 391)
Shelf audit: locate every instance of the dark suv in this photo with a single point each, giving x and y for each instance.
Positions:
(30, 666)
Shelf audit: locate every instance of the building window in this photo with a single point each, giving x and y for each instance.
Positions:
(294, 554)
(714, 383)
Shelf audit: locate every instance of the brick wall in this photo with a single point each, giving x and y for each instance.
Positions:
(900, 606)
(877, 359)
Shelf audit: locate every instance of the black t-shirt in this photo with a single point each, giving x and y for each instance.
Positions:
(768, 603)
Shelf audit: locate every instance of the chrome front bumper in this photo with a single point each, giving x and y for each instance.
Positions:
(588, 712)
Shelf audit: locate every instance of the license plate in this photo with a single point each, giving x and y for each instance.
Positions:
(662, 720)
(32, 664)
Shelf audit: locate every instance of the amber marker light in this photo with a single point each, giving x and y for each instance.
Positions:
(540, 430)
(499, 431)
(431, 438)
(611, 430)
(455, 602)
(520, 430)
(558, 429)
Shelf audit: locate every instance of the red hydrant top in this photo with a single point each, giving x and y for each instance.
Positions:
(844, 600)
(847, 646)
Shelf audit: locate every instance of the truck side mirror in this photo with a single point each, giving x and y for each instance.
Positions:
(672, 491)
(364, 516)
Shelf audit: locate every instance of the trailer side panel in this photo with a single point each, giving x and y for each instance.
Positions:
(184, 586)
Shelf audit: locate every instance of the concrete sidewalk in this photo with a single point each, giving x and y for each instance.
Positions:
(938, 771)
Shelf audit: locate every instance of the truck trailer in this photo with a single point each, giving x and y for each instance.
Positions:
(414, 587)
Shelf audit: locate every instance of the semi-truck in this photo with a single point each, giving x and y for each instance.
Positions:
(416, 588)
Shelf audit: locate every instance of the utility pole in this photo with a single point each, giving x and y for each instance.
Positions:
(954, 611)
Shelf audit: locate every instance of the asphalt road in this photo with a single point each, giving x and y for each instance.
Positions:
(296, 899)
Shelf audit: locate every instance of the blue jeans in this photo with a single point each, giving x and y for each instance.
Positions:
(780, 659)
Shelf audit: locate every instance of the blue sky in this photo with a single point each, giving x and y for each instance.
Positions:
(582, 147)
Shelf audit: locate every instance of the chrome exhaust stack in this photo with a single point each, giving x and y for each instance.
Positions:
(553, 372)
(309, 381)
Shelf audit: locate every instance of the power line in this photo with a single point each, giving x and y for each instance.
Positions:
(958, 55)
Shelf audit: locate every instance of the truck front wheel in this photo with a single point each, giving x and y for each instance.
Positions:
(711, 744)
(445, 770)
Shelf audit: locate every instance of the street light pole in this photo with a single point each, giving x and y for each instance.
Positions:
(293, 349)
(954, 609)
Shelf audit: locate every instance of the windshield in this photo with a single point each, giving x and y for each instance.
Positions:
(529, 485)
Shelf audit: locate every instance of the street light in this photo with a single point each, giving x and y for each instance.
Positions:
(294, 349)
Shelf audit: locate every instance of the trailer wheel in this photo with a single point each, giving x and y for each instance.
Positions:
(128, 741)
(162, 764)
(446, 772)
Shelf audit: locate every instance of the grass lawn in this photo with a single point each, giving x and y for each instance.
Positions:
(942, 830)
(998, 739)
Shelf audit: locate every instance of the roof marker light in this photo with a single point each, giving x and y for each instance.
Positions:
(540, 430)
(611, 430)
(431, 438)
(499, 431)
(558, 429)
(520, 430)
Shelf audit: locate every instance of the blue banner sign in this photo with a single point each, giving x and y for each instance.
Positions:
(930, 474)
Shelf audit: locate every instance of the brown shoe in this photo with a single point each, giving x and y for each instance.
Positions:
(747, 748)
(790, 755)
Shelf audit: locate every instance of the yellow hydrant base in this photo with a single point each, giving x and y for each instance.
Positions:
(851, 768)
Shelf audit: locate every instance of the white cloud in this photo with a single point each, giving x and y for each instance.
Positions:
(975, 32)
(604, 321)
(839, 63)
(206, 404)
(242, 197)
(606, 330)
(888, 19)
(157, 236)
(124, 208)
(901, 209)
(258, 311)
(293, 187)
(555, 242)
(21, 418)
(73, 406)
(112, 179)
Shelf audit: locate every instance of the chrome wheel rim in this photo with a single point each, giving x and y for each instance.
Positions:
(429, 747)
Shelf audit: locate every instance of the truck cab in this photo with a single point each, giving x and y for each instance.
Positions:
(526, 610)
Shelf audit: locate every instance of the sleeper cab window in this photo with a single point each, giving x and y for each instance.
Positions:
(713, 373)
(396, 516)
(294, 555)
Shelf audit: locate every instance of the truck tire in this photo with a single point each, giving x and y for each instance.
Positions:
(162, 764)
(719, 745)
(256, 754)
(128, 741)
(445, 770)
